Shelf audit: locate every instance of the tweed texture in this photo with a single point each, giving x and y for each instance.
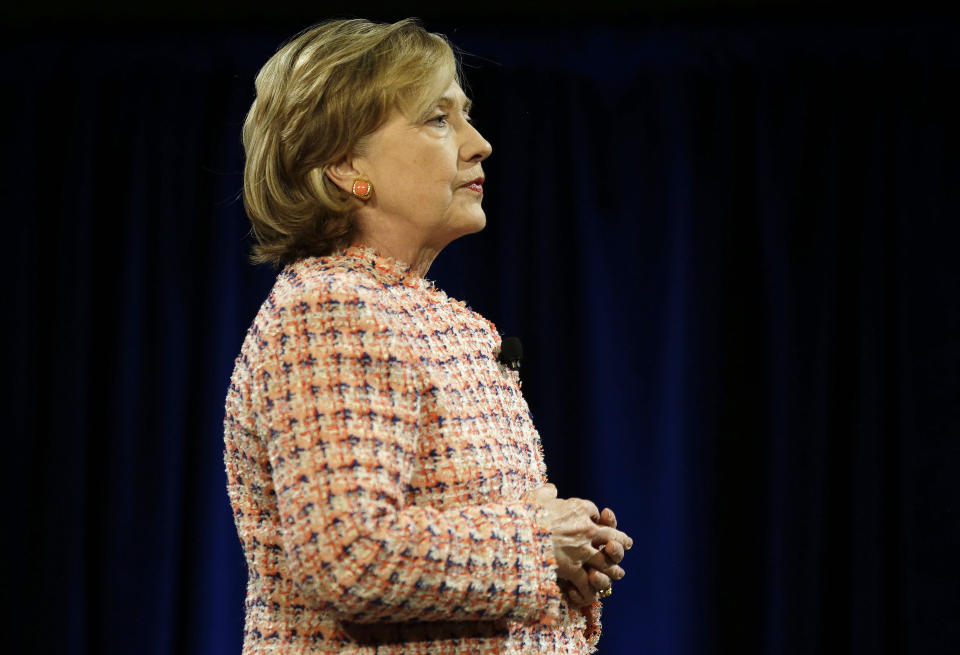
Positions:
(377, 456)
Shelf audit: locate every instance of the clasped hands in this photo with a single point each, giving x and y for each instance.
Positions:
(586, 544)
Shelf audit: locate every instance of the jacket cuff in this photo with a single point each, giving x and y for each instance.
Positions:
(547, 593)
(591, 631)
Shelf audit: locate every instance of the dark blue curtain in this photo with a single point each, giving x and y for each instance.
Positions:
(730, 250)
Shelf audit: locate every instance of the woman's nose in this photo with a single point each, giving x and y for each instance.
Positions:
(476, 148)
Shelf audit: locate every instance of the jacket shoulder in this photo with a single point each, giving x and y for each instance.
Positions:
(314, 286)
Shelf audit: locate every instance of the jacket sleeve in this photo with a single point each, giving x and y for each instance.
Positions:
(341, 410)
(592, 626)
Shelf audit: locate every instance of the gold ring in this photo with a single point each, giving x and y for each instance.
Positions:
(606, 593)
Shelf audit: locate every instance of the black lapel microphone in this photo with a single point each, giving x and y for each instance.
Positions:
(511, 352)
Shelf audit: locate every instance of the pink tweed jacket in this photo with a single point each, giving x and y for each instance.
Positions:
(376, 457)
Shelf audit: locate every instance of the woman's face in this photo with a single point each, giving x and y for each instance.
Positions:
(424, 173)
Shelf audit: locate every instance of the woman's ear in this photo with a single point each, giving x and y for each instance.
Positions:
(343, 173)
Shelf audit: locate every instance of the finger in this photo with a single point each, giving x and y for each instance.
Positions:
(599, 560)
(598, 580)
(581, 581)
(603, 535)
(607, 517)
(568, 590)
(614, 550)
(612, 553)
(613, 572)
(575, 598)
(589, 508)
(602, 562)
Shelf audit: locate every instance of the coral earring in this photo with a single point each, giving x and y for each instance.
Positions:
(362, 189)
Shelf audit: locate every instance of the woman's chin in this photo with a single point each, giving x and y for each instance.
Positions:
(470, 224)
(479, 223)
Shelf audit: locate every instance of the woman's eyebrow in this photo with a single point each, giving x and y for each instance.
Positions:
(449, 102)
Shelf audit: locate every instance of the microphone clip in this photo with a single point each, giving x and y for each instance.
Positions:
(511, 353)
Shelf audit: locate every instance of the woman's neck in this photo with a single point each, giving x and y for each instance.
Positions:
(417, 256)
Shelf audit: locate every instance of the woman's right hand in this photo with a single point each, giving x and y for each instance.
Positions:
(577, 534)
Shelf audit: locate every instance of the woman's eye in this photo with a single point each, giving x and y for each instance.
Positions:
(439, 120)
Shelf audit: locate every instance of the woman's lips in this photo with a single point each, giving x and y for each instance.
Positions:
(476, 185)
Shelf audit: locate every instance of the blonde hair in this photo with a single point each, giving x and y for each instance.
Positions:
(316, 99)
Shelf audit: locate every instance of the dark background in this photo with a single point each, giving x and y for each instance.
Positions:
(726, 233)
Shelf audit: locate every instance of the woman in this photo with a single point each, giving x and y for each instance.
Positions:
(387, 482)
